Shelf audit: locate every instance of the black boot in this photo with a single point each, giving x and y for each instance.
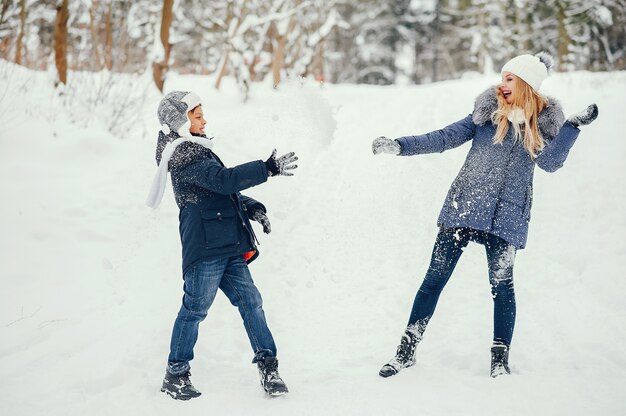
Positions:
(270, 379)
(499, 360)
(179, 387)
(405, 355)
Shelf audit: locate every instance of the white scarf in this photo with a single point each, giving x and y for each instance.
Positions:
(516, 116)
(160, 178)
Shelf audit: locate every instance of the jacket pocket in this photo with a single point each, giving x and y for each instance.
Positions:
(220, 227)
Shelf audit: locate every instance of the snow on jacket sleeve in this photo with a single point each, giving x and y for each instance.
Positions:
(556, 150)
(438, 141)
(209, 174)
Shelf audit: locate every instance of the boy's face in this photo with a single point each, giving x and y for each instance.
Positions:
(196, 116)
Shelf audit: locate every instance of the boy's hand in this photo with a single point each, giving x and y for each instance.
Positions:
(281, 166)
(260, 217)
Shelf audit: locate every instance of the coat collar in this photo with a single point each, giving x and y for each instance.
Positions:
(549, 121)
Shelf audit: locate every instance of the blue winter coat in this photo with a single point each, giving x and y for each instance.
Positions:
(493, 190)
(214, 217)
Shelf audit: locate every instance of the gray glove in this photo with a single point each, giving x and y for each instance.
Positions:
(280, 166)
(260, 217)
(384, 145)
(584, 117)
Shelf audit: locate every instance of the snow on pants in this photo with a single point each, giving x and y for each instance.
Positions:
(202, 281)
(446, 253)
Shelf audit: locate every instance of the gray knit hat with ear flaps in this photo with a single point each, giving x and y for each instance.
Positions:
(173, 110)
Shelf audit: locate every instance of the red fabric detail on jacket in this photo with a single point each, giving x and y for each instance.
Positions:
(248, 255)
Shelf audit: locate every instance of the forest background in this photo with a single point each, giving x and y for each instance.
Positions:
(336, 41)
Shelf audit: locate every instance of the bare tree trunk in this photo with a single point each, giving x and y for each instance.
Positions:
(60, 41)
(94, 37)
(123, 44)
(563, 40)
(20, 37)
(223, 67)
(4, 6)
(252, 68)
(8, 39)
(435, 46)
(316, 66)
(484, 35)
(278, 60)
(159, 69)
(108, 41)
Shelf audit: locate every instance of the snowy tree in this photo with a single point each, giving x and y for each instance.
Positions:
(398, 41)
(9, 13)
(589, 26)
(26, 31)
(101, 28)
(301, 39)
(365, 47)
(244, 29)
(367, 41)
(284, 35)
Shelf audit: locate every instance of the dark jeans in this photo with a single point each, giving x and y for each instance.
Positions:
(232, 276)
(447, 251)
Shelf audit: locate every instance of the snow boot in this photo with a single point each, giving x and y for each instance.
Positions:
(270, 379)
(499, 360)
(405, 355)
(179, 387)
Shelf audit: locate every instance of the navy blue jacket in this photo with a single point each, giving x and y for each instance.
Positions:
(493, 191)
(214, 217)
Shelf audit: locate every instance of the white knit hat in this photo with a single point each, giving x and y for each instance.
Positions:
(532, 69)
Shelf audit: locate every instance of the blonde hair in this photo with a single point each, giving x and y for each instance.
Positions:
(531, 103)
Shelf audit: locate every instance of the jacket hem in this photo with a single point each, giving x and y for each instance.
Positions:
(517, 243)
(222, 256)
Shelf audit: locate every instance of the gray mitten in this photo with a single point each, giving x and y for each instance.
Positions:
(384, 145)
(260, 217)
(584, 117)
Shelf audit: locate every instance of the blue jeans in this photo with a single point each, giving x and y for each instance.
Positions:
(446, 253)
(202, 280)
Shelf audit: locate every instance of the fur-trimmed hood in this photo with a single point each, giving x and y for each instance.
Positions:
(549, 121)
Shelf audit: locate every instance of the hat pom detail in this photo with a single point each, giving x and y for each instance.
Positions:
(165, 129)
(546, 59)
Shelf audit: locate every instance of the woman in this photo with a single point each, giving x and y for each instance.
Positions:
(217, 238)
(512, 128)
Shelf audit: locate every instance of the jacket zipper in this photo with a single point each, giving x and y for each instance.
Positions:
(501, 191)
(237, 201)
(250, 230)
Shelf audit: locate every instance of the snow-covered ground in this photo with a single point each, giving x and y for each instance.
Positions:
(91, 277)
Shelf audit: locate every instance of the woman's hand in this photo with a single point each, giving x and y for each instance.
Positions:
(584, 117)
(384, 145)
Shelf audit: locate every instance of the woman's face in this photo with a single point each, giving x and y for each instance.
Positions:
(507, 87)
(196, 116)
